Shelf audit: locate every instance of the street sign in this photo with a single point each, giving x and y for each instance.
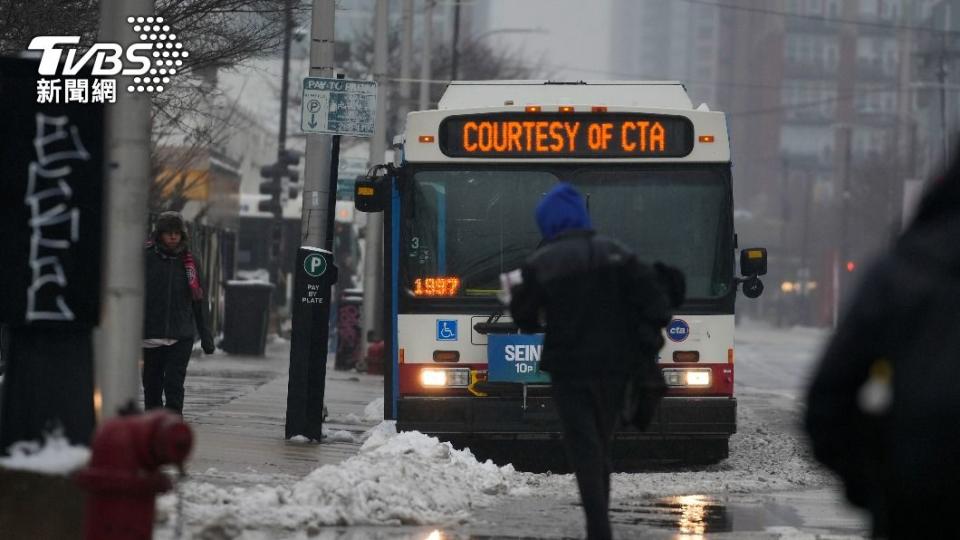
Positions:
(338, 106)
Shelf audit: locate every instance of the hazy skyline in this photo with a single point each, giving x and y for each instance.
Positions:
(576, 44)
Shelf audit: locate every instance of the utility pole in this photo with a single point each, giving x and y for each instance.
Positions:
(277, 264)
(843, 252)
(373, 251)
(425, 55)
(942, 79)
(901, 138)
(127, 174)
(846, 116)
(314, 272)
(406, 62)
(455, 54)
(784, 204)
(805, 273)
(316, 174)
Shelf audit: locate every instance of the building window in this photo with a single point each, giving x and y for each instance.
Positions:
(814, 7)
(828, 102)
(792, 47)
(890, 9)
(831, 55)
(833, 8)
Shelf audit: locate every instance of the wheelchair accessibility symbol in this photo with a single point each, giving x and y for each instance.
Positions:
(446, 330)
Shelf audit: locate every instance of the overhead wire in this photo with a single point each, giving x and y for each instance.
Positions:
(819, 18)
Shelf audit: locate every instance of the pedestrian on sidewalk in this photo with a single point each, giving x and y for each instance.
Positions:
(175, 311)
(883, 408)
(603, 312)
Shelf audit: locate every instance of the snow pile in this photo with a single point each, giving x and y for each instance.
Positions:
(406, 478)
(372, 415)
(339, 435)
(760, 460)
(55, 456)
(373, 412)
(260, 275)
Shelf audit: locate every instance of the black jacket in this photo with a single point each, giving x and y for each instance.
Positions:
(899, 462)
(603, 310)
(169, 309)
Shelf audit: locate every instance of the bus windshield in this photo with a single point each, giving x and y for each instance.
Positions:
(462, 228)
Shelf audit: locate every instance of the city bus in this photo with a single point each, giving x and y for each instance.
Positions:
(458, 205)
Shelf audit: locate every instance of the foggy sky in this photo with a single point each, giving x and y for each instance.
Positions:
(577, 45)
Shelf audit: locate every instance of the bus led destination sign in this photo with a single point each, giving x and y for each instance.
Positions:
(544, 135)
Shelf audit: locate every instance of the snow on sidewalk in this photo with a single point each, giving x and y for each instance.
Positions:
(406, 478)
(55, 456)
(412, 479)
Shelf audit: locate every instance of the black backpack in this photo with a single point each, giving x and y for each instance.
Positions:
(646, 387)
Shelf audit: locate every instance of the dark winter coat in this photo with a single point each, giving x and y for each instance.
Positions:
(169, 310)
(603, 310)
(900, 462)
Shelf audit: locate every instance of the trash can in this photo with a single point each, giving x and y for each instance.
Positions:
(349, 323)
(246, 312)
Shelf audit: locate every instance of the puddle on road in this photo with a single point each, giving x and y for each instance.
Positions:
(692, 515)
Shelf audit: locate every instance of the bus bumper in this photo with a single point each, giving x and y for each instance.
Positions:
(507, 418)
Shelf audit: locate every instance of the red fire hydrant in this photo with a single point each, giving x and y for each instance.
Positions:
(122, 479)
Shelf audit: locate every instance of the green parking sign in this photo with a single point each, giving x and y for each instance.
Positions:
(315, 265)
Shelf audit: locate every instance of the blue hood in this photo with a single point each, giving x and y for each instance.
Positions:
(562, 209)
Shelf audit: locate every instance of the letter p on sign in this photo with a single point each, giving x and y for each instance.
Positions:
(315, 265)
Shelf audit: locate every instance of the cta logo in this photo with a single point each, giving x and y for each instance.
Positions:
(678, 330)
(158, 55)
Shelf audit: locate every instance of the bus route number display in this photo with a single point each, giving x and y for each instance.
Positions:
(566, 135)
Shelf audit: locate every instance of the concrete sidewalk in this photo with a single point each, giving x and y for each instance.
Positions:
(236, 406)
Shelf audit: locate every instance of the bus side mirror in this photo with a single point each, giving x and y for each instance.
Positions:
(753, 263)
(367, 196)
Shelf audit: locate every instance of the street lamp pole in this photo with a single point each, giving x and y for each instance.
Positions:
(455, 55)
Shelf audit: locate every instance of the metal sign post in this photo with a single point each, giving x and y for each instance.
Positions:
(330, 106)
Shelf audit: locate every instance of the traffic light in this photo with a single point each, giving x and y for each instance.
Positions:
(270, 185)
(279, 182)
(851, 266)
(288, 161)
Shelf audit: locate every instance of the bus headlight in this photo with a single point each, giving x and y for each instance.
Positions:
(698, 378)
(693, 378)
(445, 377)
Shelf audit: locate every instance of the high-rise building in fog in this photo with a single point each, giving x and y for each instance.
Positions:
(658, 40)
(936, 74)
(827, 114)
(823, 98)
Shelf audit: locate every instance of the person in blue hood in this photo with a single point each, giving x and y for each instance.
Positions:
(562, 209)
(601, 311)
